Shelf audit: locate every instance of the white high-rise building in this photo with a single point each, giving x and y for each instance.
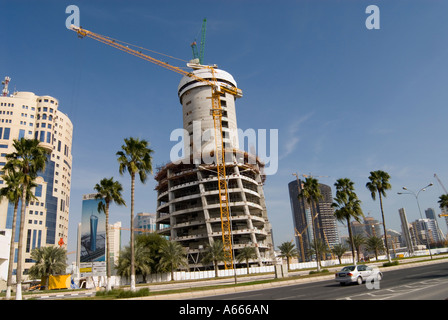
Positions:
(27, 115)
(426, 229)
(145, 222)
(405, 231)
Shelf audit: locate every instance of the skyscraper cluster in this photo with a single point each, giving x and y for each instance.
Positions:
(324, 220)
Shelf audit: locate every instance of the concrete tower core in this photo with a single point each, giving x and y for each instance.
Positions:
(195, 98)
(188, 206)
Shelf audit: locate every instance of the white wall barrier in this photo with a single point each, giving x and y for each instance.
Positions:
(210, 274)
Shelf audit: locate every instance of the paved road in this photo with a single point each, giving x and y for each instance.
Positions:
(314, 288)
(428, 282)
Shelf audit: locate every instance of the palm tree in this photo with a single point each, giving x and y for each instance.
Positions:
(214, 253)
(13, 193)
(375, 244)
(246, 254)
(358, 241)
(153, 242)
(339, 250)
(172, 256)
(347, 206)
(28, 159)
(109, 191)
(311, 193)
(379, 182)
(143, 261)
(288, 251)
(443, 201)
(135, 158)
(49, 261)
(320, 248)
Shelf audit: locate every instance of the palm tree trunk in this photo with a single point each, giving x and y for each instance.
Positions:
(132, 233)
(19, 254)
(350, 234)
(384, 226)
(216, 268)
(108, 284)
(11, 252)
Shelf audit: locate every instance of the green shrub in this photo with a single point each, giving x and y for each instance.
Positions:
(321, 271)
(104, 293)
(120, 293)
(129, 294)
(390, 264)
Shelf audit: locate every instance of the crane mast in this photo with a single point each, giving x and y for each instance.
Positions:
(216, 112)
(440, 182)
(200, 55)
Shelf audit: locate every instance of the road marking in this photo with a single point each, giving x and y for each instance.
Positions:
(394, 292)
(291, 297)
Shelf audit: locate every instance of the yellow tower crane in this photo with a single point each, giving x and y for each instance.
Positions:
(299, 234)
(216, 111)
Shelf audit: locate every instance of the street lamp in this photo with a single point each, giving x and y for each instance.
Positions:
(419, 210)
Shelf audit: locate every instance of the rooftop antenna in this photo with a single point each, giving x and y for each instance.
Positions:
(5, 86)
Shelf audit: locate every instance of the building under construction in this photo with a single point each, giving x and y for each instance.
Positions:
(188, 196)
(215, 192)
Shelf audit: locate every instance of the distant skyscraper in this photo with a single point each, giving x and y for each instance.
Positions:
(325, 222)
(430, 213)
(115, 242)
(146, 221)
(368, 228)
(373, 227)
(426, 228)
(358, 228)
(26, 115)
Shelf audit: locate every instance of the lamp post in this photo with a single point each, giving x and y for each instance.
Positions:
(419, 210)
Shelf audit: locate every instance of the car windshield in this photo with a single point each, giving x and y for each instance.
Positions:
(349, 268)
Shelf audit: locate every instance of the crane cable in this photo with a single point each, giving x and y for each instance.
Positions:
(135, 46)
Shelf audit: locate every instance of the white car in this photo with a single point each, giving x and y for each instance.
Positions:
(358, 274)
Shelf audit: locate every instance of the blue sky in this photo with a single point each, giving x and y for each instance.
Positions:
(345, 100)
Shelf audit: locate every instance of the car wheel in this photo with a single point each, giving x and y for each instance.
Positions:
(359, 280)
